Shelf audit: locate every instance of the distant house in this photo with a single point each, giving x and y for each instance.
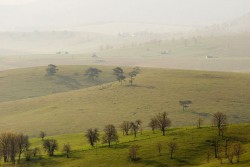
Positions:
(165, 52)
(209, 57)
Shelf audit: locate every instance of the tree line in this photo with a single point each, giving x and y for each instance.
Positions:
(93, 73)
(14, 146)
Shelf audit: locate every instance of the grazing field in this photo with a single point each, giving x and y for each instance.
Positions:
(192, 147)
(154, 90)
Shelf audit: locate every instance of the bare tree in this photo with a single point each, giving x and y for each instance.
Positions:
(125, 126)
(133, 151)
(139, 124)
(110, 134)
(172, 147)
(159, 147)
(237, 149)
(208, 156)
(22, 142)
(35, 151)
(134, 128)
(9, 146)
(67, 149)
(93, 136)
(153, 124)
(50, 145)
(42, 135)
(219, 120)
(216, 147)
(163, 122)
(199, 122)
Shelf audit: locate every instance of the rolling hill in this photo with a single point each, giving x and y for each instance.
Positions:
(155, 90)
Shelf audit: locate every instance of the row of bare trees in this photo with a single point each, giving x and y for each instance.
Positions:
(134, 127)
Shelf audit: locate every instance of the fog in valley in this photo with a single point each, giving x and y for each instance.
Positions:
(193, 34)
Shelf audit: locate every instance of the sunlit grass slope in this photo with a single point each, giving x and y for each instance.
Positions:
(32, 82)
(155, 90)
(193, 145)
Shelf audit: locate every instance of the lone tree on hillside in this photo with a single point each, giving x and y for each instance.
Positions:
(133, 74)
(219, 120)
(93, 136)
(92, 73)
(185, 104)
(172, 147)
(163, 122)
(119, 73)
(125, 126)
(42, 135)
(67, 149)
(110, 134)
(51, 69)
(153, 124)
(50, 145)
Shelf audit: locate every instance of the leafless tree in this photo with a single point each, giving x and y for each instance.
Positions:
(125, 126)
(216, 147)
(42, 135)
(199, 122)
(22, 142)
(153, 124)
(159, 147)
(50, 145)
(163, 122)
(208, 156)
(172, 147)
(134, 128)
(110, 134)
(133, 151)
(67, 149)
(93, 136)
(238, 150)
(139, 124)
(219, 120)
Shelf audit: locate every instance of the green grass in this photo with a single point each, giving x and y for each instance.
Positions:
(32, 82)
(192, 149)
(155, 90)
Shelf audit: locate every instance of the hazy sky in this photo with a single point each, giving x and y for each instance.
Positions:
(66, 13)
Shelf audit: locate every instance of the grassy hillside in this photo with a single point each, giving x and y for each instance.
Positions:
(155, 90)
(193, 145)
(32, 82)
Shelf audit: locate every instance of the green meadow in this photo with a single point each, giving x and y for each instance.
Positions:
(192, 147)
